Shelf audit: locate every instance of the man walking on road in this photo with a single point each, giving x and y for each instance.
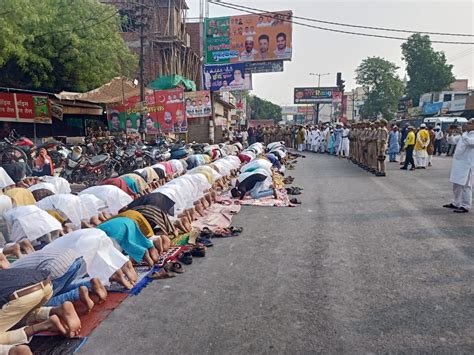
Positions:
(438, 139)
(408, 147)
(461, 170)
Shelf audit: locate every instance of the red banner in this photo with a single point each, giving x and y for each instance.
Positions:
(24, 108)
(162, 112)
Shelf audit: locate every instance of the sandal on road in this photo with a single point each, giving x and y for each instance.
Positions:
(174, 266)
(161, 274)
(295, 201)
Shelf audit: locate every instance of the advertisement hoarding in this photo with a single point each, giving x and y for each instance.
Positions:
(25, 108)
(314, 95)
(197, 104)
(249, 38)
(226, 77)
(264, 67)
(163, 112)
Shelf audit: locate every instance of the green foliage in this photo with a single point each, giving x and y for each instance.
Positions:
(382, 86)
(263, 109)
(61, 45)
(426, 68)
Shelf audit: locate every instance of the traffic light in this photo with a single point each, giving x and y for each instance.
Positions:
(340, 82)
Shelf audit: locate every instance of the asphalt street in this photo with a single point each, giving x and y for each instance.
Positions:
(364, 265)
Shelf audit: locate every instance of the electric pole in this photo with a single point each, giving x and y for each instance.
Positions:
(319, 75)
(142, 23)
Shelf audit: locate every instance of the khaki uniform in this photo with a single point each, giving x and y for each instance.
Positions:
(372, 149)
(382, 139)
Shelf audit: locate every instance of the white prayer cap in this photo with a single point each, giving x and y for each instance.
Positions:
(249, 39)
(423, 125)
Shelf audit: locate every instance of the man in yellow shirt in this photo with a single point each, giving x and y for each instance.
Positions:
(421, 146)
(409, 146)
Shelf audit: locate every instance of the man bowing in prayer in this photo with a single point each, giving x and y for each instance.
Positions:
(462, 168)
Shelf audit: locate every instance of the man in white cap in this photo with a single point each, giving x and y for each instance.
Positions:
(421, 145)
(462, 169)
(249, 54)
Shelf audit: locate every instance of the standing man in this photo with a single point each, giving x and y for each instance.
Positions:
(345, 151)
(382, 138)
(430, 149)
(403, 136)
(439, 135)
(393, 145)
(461, 170)
(421, 146)
(408, 147)
(338, 131)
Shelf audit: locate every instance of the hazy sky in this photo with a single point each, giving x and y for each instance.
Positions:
(320, 51)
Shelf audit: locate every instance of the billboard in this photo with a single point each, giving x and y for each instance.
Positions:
(264, 67)
(197, 104)
(162, 112)
(314, 95)
(249, 38)
(26, 108)
(226, 77)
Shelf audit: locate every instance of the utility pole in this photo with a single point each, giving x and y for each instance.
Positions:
(319, 75)
(142, 22)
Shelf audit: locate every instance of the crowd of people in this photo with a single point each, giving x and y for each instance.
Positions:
(60, 251)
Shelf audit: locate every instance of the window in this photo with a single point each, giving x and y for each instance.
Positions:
(447, 97)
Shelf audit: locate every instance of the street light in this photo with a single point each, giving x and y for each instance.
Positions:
(319, 75)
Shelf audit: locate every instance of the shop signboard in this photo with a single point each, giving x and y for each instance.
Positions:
(197, 104)
(227, 77)
(163, 113)
(27, 108)
(248, 38)
(314, 95)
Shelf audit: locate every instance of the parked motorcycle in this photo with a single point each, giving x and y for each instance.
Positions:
(81, 169)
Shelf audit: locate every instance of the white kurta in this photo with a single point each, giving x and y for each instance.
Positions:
(5, 179)
(30, 222)
(101, 257)
(43, 185)
(69, 204)
(114, 197)
(62, 185)
(463, 159)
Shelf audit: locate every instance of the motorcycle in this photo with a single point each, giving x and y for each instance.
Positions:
(81, 169)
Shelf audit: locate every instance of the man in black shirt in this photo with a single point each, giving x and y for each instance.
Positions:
(252, 183)
(22, 294)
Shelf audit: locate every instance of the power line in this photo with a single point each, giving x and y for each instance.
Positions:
(239, 8)
(358, 26)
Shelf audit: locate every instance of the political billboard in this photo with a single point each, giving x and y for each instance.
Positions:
(162, 112)
(249, 38)
(226, 77)
(197, 104)
(314, 95)
(27, 108)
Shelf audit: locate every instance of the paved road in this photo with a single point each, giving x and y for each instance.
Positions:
(365, 265)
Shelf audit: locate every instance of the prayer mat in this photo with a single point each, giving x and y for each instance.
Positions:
(181, 239)
(100, 312)
(143, 271)
(219, 215)
(55, 345)
(283, 200)
(172, 254)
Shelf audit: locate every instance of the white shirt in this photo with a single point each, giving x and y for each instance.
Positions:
(463, 159)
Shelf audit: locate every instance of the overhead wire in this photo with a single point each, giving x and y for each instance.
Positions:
(262, 13)
(352, 25)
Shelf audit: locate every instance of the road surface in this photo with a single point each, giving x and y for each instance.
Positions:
(364, 265)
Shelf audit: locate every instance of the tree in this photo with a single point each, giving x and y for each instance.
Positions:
(426, 68)
(263, 109)
(382, 87)
(61, 45)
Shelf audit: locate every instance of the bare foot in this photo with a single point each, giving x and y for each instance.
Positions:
(69, 318)
(120, 278)
(20, 350)
(179, 224)
(4, 263)
(85, 298)
(26, 246)
(95, 220)
(107, 215)
(148, 259)
(166, 242)
(85, 224)
(53, 325)
(199, 210)
(154, 254)
(13, 250)
(99, 290)
(130, 272)
(101, 217)
(67, 228)
(208, 198)
(158, 244)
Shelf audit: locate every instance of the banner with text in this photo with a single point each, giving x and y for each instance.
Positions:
(249, 38)
(162, 112)
(226, 77)
(27, 108)
(197, 104)
(314, 95)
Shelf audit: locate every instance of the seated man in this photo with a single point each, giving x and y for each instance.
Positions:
(23, 292)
